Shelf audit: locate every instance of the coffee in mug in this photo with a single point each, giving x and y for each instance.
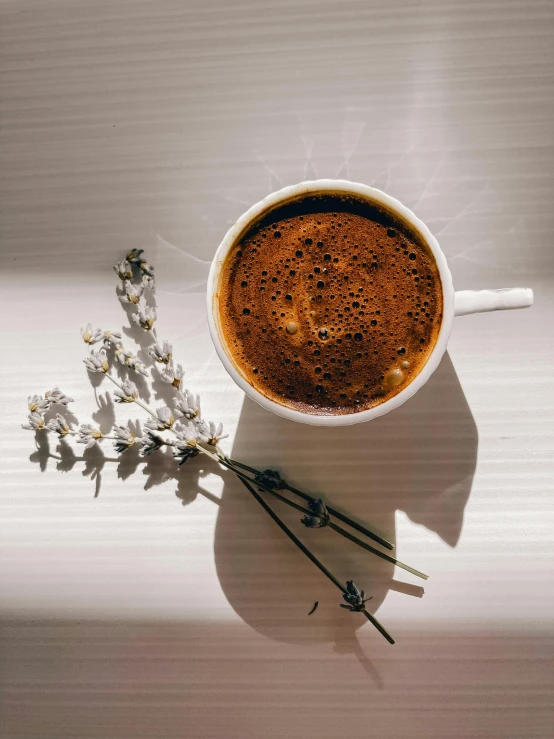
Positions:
(330, 303)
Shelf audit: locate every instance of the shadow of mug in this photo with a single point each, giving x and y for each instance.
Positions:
(419, 459)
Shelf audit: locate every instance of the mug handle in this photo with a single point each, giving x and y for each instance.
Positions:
(482, 301)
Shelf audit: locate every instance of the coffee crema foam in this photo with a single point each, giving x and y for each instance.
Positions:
(330, 304)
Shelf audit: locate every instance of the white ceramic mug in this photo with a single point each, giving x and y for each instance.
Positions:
(454, 304)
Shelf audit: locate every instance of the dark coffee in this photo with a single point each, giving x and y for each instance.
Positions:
(330, 304)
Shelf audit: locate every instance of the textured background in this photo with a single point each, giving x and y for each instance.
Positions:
(139, 602)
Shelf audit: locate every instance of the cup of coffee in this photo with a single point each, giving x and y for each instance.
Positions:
(331, 303)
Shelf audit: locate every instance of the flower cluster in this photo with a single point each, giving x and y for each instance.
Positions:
(38, 405)
(162, 420)
(89, 435)
(173, 375)
(59, 426)
(111, 339)
(151, 442)
(97, 361)
(94, 335)
(133, 292)
(210, 433)
(128, 359)
(188, 404)
(186, 445)
(56, 396)
(135, 257)
(124, 438)
(354, 597)
(35, 422)
(319, 515)
(127, 393)
(145, 317)
(123, 270)
(91, 335)
(184, 420)
(161, 353)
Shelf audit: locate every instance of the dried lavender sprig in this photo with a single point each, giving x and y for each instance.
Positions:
(337, 514)
(135, 257)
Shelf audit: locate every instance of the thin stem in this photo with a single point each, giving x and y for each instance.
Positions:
(292, 536)
(345, 519)
(371, 549)
(381, 629)
(209, 454)
(288, 502)
(271, 492)
(348, 535)
(244, 466)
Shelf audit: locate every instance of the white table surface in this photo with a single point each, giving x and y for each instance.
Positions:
(141, 602)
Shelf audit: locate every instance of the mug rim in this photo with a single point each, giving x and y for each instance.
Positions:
(350, 188)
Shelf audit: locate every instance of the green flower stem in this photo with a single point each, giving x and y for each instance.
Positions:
(271, 492)
(292, 536)
(240, 464)
(337, 514)
(380, 628)
(371, 549)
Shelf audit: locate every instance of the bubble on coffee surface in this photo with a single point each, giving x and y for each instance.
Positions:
(350, 288)
(394, 377)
